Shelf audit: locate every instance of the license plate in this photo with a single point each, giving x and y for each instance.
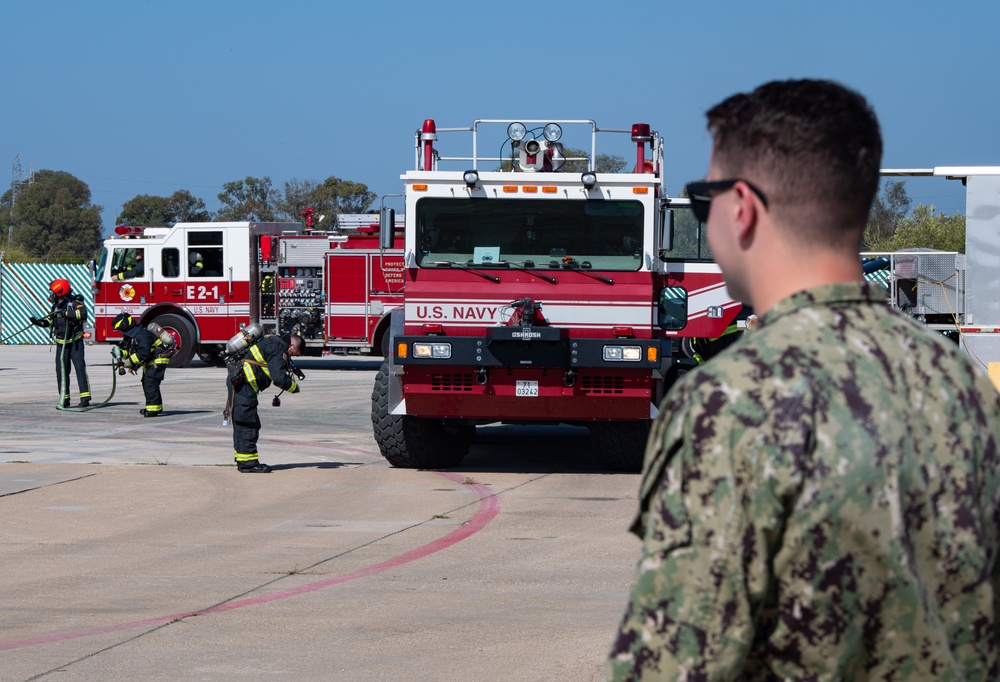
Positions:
(526, 389)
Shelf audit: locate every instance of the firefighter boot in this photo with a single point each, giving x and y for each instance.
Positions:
(84, 402)
(253, 467)
(147, 413)
(65, 402)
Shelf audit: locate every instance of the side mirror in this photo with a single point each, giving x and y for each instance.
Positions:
(386, 228)
(673, 309)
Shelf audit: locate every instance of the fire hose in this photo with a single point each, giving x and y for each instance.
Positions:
(115, 362)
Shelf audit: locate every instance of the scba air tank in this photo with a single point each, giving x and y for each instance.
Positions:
(165, 337)
(244, 338)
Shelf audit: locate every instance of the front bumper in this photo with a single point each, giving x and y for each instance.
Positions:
(529, 374)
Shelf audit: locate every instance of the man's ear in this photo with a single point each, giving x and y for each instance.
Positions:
(747, 214)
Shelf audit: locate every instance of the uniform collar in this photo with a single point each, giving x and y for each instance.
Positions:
(826, 295)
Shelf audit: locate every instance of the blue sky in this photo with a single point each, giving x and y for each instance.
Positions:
(144, 97)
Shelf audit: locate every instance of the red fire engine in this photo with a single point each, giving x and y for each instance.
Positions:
(541, 291)
(203, 281)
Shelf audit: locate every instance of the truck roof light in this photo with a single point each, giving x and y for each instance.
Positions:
(622, 331)
(552, 132)
(427, 136)
(419, 188)
(470, 177)
(433, 328)
(127, 230)
(640, 190)
(550, 189)
(516, 131)
(510, 188)
(589, 179)
(641, 132)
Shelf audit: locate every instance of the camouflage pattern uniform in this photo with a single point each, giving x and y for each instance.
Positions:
(820, 502)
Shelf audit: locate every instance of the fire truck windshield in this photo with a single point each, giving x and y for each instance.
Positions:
(102, 262)
(532, 233)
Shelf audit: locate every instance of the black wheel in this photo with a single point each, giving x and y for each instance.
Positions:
(415, 442)
(209, 354)
(621, 446)
(380, 343)
(183, 333)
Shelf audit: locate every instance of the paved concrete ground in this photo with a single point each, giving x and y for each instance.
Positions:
(132, 549)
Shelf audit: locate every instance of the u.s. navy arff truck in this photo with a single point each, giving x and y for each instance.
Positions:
(202, 282)
(540, 291)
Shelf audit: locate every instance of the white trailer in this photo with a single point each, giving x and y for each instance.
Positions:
(971, 288)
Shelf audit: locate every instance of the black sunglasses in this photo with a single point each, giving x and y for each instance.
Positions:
(701, 199)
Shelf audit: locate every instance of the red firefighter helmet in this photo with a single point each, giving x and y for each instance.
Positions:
(60, 287)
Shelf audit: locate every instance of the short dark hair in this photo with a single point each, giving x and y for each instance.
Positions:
(813, 146)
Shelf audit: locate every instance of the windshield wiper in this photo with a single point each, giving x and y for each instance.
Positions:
(528, 266)
(463, 266)
(573, 265)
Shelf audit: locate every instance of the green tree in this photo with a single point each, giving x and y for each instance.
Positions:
(144, 209)
(187, 208)
(180, 207)
(328, 199)
(890, 207)
(54, 219)
(345, 196)
(249, 199)
(609, 163)
(925, 228)
(603, 163)
(299, 195)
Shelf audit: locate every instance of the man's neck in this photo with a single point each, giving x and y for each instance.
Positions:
(789, 274)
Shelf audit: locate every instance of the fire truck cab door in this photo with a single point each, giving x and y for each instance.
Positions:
(347, 295)
(129, 273)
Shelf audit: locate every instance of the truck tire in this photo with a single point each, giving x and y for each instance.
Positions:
(183, 333)
(209, 354)
(416, 442)
(620, 446)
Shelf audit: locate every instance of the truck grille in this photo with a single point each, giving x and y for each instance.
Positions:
(602, 385)
(451, 382)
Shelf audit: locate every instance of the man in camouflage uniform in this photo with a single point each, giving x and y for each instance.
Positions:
(820, 501)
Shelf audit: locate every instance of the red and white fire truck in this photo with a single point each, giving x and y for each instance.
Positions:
(203, 281)
(541, 291)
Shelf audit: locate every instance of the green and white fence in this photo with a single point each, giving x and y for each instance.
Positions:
(24, 292)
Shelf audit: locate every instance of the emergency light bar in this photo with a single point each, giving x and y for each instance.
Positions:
(128, 231)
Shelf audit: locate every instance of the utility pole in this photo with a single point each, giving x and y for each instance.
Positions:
(15, 182)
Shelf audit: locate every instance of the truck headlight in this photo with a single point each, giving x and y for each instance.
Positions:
(623, 353)
(438, 351)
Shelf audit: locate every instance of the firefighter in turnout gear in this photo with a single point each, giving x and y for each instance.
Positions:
(265, 362)
(66, 320)
(142, 348)
(136, 270)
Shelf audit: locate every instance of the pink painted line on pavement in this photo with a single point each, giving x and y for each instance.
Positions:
(489, 508)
